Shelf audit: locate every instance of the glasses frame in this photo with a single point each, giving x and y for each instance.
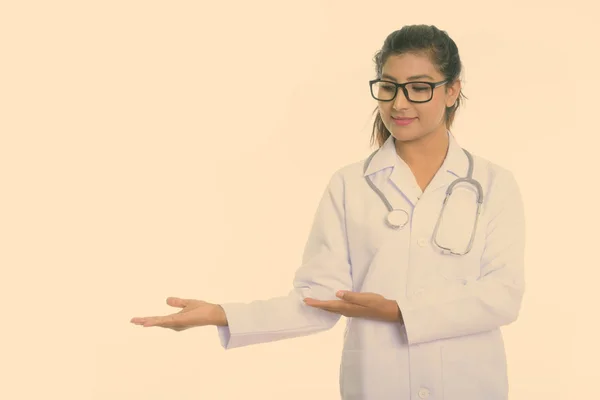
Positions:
(402, 86)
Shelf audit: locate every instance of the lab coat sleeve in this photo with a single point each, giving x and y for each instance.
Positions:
(325, 268)
(495, 298)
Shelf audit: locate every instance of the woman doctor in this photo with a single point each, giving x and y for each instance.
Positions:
(421, 246)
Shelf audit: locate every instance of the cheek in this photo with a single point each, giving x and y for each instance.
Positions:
(432, 112)
(385, 114)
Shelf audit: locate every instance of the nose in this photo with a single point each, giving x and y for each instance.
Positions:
(400, 101)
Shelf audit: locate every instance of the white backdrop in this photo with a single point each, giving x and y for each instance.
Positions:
(153, 149)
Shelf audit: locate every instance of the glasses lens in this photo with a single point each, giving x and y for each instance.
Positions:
(418, 91)
(385, 91)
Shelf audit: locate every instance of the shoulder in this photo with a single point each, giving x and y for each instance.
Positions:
(347, 174)
(498, 182)
(495, 174)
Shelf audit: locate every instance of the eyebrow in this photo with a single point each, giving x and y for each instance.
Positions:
(410, 78)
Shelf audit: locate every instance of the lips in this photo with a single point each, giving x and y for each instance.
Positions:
(403, 121)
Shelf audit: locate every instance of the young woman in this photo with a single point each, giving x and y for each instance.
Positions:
(421, 246)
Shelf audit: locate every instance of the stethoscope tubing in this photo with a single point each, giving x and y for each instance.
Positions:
(398, 218)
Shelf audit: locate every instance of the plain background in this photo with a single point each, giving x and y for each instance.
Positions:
(153, 149)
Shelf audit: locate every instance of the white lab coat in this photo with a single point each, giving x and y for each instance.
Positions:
(450, 345)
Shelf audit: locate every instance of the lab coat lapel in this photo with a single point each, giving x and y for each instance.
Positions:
(399, 174)
(455, 165)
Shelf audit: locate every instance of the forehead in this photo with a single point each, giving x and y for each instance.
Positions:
(409, 66)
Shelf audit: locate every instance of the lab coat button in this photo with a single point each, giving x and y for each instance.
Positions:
(423, 393)
(422, 242)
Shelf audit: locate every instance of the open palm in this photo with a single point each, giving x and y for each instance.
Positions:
(193, 313)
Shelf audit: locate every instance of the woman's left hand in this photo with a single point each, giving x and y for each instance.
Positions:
(362, 305)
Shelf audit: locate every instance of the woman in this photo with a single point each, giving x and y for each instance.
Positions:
(425, 295)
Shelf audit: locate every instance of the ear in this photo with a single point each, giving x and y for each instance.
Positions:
(452, 92)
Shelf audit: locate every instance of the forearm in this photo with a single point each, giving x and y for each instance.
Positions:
(325, 269)
(493, 300)
(262, 321)
(463, 310)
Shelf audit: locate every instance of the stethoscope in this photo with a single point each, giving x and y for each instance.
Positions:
(398, 218)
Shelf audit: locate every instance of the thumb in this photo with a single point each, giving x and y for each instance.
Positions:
(345, 295)
(359, 298)
(177, 302)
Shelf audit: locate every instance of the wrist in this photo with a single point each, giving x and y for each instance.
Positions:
(394, 311)
(218, 316)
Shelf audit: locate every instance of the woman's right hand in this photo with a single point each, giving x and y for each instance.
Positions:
(193, 313)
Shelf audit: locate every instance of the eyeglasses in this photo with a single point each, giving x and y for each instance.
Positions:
(416, 92)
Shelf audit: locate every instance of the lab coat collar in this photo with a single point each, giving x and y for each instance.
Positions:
(385, 157)
(455, 165)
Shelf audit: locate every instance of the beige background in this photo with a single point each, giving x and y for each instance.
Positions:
(153, 149)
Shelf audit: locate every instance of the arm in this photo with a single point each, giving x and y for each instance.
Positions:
(325, 269)
(490, 302)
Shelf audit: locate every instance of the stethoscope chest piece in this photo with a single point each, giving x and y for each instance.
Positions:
(397, 219)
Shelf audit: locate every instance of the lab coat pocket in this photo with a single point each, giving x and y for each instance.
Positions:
(374, 373)
(459, 230)
(458, 268)
(474, 368)
(463, 267)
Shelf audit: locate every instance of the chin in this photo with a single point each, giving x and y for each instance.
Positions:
(405, 135)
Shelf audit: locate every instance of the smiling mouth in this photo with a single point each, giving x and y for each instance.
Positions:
(402, 121)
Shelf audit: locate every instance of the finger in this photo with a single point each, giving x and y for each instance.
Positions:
(177, 302)
(329, 307)
(358, 298)
(168, 321)
(146, 321)
(310, 301)
(155, 319)
(321, 303)
(140, 320)
(348, 310)
(338, 306)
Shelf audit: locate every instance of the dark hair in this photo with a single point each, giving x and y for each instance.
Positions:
(419, 39)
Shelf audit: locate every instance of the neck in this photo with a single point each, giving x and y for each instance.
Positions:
(427, 152)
